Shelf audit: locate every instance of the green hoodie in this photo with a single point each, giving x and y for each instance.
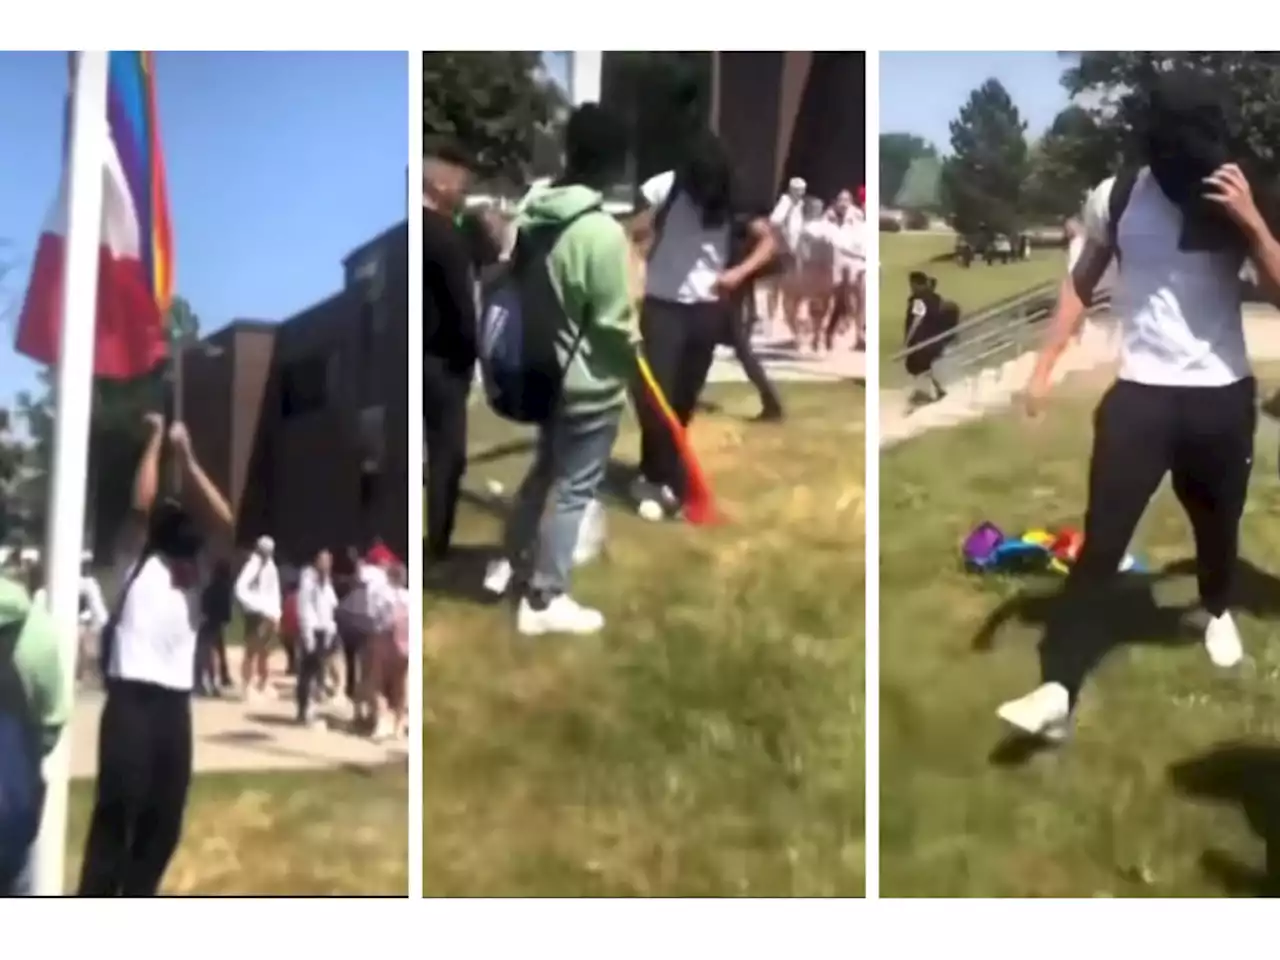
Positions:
(590, 269)
(31, 670)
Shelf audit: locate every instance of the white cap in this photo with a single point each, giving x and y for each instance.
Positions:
(86, 556)
(797, 183)
(266, 545)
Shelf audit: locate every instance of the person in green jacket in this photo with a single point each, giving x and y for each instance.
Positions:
(596, 339)
(34, 707)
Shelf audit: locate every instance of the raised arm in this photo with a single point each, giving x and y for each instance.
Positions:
(208, 498)
(1229, 187)
(146, 481)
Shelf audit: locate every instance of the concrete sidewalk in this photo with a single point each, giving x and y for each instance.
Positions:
(232, 735)
(784, 362)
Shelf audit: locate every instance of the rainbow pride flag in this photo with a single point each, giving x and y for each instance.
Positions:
(135, 266)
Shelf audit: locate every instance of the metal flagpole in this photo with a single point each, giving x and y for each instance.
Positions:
(64, 537)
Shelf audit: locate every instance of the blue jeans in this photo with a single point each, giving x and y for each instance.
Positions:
(573, 452)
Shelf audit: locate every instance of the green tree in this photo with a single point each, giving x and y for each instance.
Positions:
(921, 189)
(1118, 82)
(983, 177)
(494, 104)
(1075, 154)
(116, 433)
(898, 151)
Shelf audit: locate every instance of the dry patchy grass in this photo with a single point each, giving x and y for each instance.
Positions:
(710, 741)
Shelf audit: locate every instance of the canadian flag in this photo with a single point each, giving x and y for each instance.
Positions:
(130, 334)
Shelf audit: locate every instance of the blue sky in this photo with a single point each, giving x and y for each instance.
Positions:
(557, 64)
(279, 164)
(922, 93)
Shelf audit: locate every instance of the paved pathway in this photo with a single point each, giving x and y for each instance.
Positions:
(231, 735)
(996, 388)
(784, 362)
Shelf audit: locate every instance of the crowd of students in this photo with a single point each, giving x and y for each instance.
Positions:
(821, 286)
(161, 640)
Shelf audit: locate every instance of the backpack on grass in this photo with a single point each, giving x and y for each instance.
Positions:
(519, 318)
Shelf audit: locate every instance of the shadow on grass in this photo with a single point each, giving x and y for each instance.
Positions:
(461, 576)
(1121, 613)
(1247, 775)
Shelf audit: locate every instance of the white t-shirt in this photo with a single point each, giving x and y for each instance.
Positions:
(1179, 311)
(155, 637)
(258, 587)
(317, 604)
(788, 217)
(848, 236)
(688, 257)
(815, 238)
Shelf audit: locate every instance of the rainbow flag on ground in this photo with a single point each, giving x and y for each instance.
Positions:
(135, 267)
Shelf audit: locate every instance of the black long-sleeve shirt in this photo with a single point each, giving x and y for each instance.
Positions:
(449, 306)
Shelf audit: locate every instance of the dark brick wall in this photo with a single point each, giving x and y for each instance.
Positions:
(796, 113)
(300, 474)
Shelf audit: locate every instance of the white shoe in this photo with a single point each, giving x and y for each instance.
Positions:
(497, 577)
(1222, 641)
(1044, 712)
(653, 503)
(562, 615)
(651, 510)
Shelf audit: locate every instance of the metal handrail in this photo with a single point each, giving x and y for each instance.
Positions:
(999, 309)
(1009, 320)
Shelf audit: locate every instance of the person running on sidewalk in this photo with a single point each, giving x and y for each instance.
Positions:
(449, 338)
(926, 322)
(258, 593)
(586, 254)
(847, 233)
(317, 629)
(707, 247)
(1185, 403)
(33, 712)
(149, 645)
(788, 219)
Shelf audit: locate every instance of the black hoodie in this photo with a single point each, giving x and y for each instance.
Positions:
(449, 306)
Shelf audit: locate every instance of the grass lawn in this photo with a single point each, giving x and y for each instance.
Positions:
(972, 289)
(313, 833)
(1171, 784)
(710, 741)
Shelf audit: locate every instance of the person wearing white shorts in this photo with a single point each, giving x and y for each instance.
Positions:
(847, 233)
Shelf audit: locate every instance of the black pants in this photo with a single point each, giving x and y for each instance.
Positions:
(444, 397)
(740, 330)
(310, 670)
(352, 646)
(211, 657)
(1203, 437)
(144, 770)
(680, 343)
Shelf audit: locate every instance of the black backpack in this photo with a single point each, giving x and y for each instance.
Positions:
(523, 378)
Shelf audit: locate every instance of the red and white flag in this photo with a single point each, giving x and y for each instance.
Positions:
(135, 245)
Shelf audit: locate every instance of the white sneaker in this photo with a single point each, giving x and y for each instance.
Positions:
(1222, 641)
(1044, 712)
(562, 615)
(651, 510)
(497, 577)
